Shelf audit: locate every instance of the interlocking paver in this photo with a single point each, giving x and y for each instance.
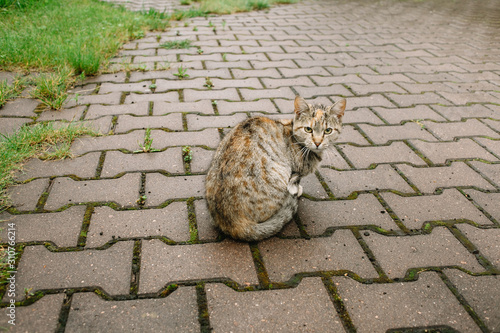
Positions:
(130, 142)
(458, 174)
(398, 254)
(449, 131)
(204, 106)
(123, 191)
(163, 264)
(306, 308)
(10, 125)
(208, 137)
(160, 188)
(363, 157)
(343, 183)
(482, 293)
(286, 257)
(42, 316)
(484, 239)
(62, 228)
(426, 302)
(487, 201)
(451, 205)
(317, 216)
(126, 123)
(22, 107)
(385, 134)
(97, 110)
(108, 224)
(109, 269)
(25, 197)
(198, 122)
(176, 313)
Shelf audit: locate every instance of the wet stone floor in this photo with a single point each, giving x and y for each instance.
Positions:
(398, 230)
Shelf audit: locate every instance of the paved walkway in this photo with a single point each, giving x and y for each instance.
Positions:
(398, 231)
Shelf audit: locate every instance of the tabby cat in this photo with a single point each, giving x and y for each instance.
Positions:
(252, 186)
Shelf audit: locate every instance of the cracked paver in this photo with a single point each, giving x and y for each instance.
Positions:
(398, 230)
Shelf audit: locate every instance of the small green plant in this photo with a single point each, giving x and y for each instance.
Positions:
(186, 2)
(181, 72)
(148, 143)
(208, 83)
(224, 57)
(152, 86)
(187, 154)
(52, 88)
(200, 51)
(177, 44)
(142, 200)
(214, 103)
(11, 91)
(210, 24)
(224, 25)
(195, 28)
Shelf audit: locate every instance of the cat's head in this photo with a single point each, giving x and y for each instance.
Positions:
(317, 126)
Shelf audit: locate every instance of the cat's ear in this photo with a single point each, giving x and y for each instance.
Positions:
(300, 105)
(338, 108)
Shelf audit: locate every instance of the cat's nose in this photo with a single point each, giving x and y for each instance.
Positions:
(317, 143)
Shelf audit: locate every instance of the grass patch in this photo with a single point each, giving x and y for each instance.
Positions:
(11, 91)
(177, 44)
(42, 140)
(235, 6)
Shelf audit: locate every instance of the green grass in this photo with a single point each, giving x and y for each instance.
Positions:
(42, 140)
(234, 6)
(13, 90)
(177, 44)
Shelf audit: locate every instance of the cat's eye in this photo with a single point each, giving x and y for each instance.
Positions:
(308, 129)
(329, 130)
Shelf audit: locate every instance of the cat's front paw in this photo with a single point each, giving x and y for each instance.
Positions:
(294, 189)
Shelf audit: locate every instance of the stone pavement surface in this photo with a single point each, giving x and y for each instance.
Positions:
(399, 230)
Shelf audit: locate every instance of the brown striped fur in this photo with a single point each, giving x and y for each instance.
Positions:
(252, 186)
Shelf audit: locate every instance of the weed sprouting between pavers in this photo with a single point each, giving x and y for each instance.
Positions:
(177, 44)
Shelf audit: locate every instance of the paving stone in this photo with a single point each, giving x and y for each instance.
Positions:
(41, 316)
(331, 158)
(495, 124)
(451, 205)
(466, 98)
(385, 78)
(304, 308)
(426, 302)
(449, 131)
(311, 92)
(163, 264)
(208, 137)
(83, 167)
(329, 80)
(113, 77)
(482, 293)
(204, 106)
(191, 95)
(369, 101)
(70, 114)
(272, 83)
(350, 135)
(419, 112)
(385, 134)
(112, 98)
(255, 94)
(109, 269)
(172, 122)
(107, 224)
(174, 84)
(485, 241)
(492, 171)
(246, 73)
(264, 105)
(317, 216)
(25, 197)
(363, 115)
(169, 160)
(160, 188)
(176, 313)
(198, 122)
(284, 258)
(487, 201)
(440, 152)
(123, 191)
(383, 177)
(492, 145)
(201, 159)
(62, 228)
(406, 100)
(128, 142)
(10, 125)
(20, 107)
(172, 96)
(397, 254)
(458, 174)
(97, 110)
(363, 157)
(138, 86)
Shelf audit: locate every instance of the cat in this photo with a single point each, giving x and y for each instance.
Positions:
(253, 184)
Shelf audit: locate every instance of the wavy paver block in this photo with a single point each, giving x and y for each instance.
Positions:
(384, 134)
(172, 122)
(197, 122)
(482, 293)
(284, 258)
(109, 269)
(130, 142)
(124, 191)
(486, 240)
(317, 216)
(162, 264)
(383, 177)
(83, 167)
(396, 152)
(306, 308)
(208, 137)
(423, 303)
(488, 201)
(427, 180)
(25, 197)
(169, 160)
(41, 316)
(450, 205)
(397, 254)
(176, 313)
(62, 228)
(160, 188)
(138, 109)
(107, 224)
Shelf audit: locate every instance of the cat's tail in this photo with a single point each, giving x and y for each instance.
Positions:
(274, 224)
